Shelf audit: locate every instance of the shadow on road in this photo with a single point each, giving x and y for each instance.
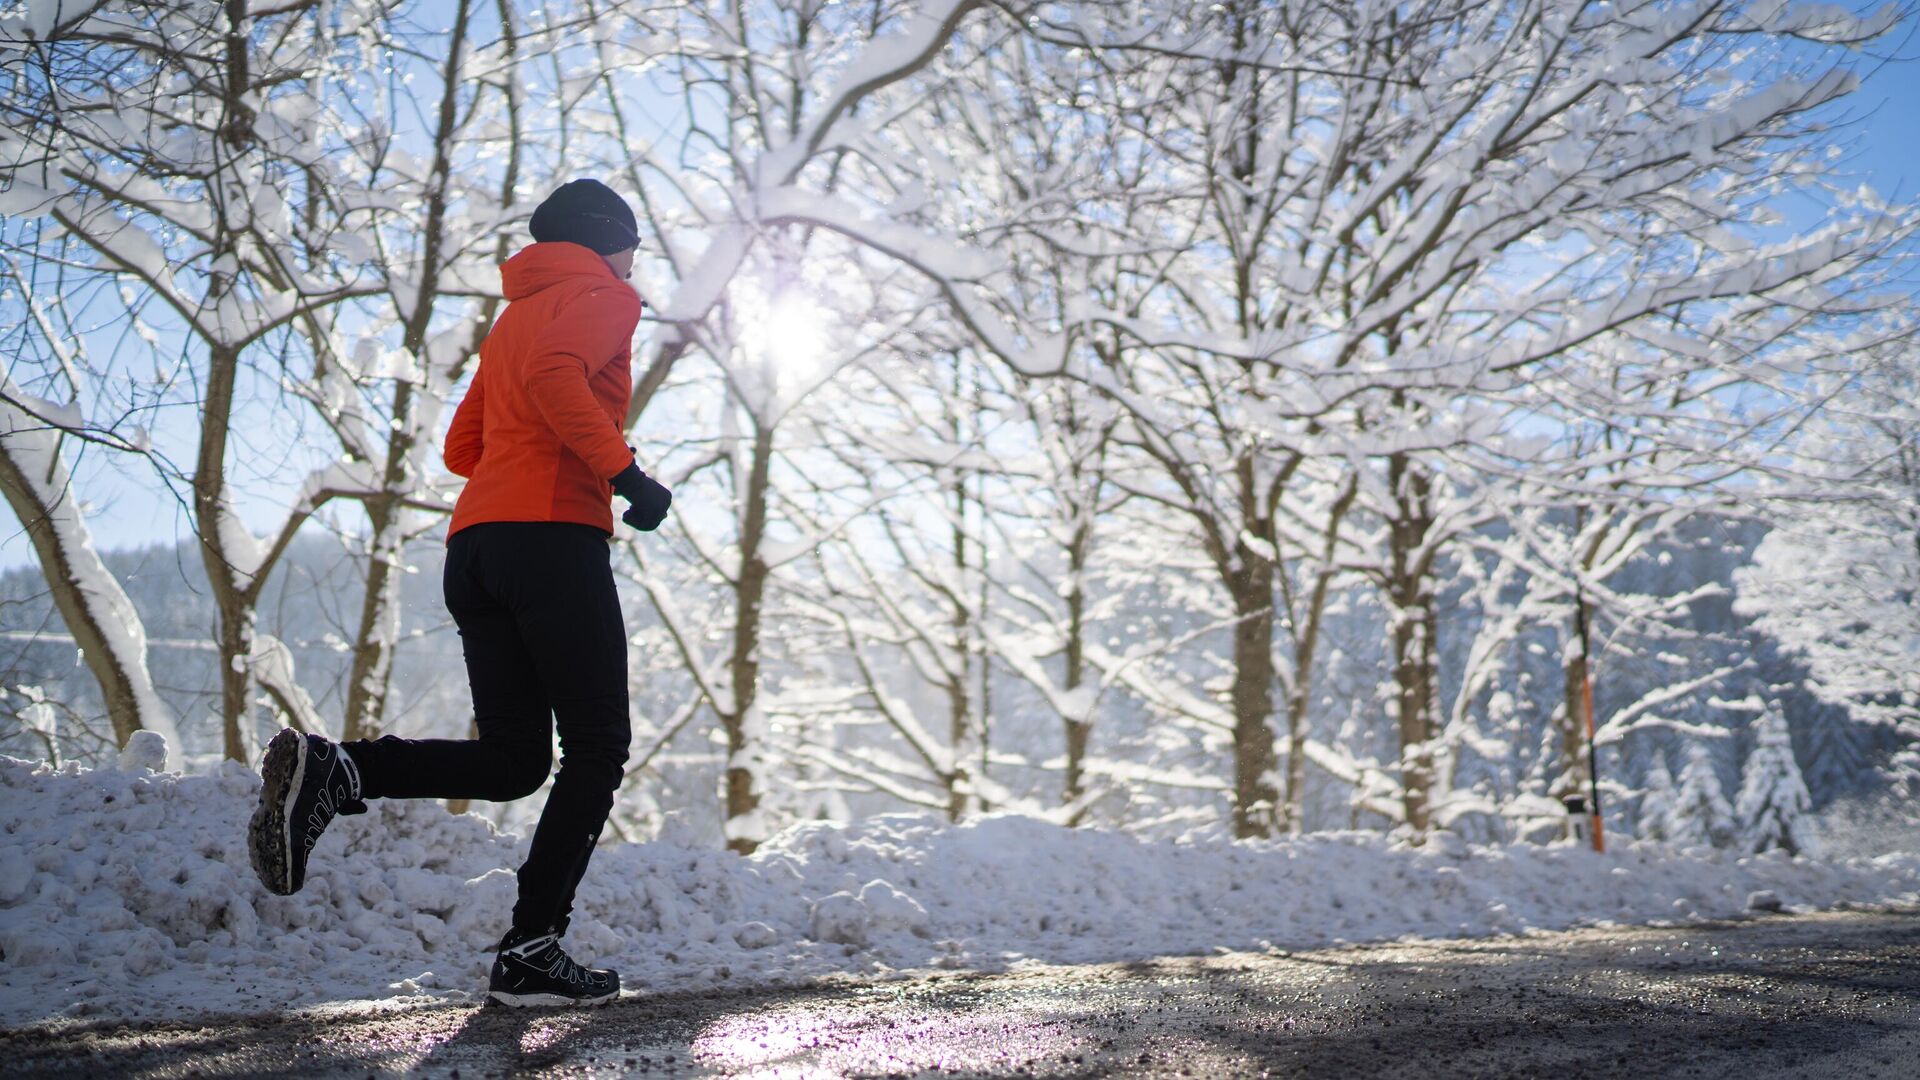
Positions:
(1819, 995)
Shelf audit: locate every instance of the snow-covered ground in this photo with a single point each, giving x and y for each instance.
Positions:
(126, 893)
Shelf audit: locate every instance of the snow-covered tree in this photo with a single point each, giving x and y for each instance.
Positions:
(1837, 580)
(1285, 385)
(107, 632)
(178, 145)
(1700, 814)
(1773, 798)
(753, 312)
(1657, 796)
(310, 235)
(902, 591)
(1367, 241)
(1069, 500)
(385, 371)
(1579, 353)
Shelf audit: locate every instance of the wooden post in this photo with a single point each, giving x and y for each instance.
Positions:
(1598, 829)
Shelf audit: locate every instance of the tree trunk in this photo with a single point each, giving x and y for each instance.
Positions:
(1254, 796)
(1306, 646)
(372, 672)
(1579, 775)
(1410, 591)
(235, 632)
(742, 797)
(1079, 730)
(957, 777)
(983, 661)
(959, 709)
(1413, 676)
(235, 638)
(1572, 722)
(1289, 822)
(88, 597)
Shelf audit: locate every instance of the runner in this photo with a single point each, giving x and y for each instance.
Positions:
(529, 585)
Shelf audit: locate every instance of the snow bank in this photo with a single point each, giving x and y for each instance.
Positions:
(126, 893)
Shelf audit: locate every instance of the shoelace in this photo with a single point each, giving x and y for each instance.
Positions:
(325, 808)
(557, 963)
(565, 969)
(336, 797)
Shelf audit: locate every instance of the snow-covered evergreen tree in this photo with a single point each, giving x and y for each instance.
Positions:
(1772, 797)
(1700, 814)
(1656, 801)
(1836, 580)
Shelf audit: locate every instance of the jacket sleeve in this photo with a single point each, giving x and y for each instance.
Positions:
(461, 451)
(585, 336)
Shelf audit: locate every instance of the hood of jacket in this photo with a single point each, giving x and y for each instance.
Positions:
(540, 266)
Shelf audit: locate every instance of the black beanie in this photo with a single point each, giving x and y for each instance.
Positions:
(588, 213)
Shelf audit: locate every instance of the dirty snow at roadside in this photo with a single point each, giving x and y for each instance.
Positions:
(126, 893)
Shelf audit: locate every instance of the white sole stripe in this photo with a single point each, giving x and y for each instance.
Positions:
(286, 810)
(523, 1000)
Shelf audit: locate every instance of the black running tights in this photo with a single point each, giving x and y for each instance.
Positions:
(545, 643)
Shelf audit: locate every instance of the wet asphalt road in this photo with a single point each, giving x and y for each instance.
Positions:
(1834, 995)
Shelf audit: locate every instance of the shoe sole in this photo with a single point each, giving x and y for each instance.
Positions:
(270, 833)
(522, 1001)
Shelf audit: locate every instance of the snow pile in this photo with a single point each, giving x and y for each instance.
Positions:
(127, 893)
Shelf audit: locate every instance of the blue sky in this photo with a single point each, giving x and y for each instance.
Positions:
(1887, 146)
(127, 507)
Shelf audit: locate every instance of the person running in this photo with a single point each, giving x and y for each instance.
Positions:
(529, 584)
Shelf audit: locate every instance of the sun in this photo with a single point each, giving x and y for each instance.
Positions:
(786, 336)
(796, 335)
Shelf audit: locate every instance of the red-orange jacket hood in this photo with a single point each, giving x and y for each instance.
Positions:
(538, 266)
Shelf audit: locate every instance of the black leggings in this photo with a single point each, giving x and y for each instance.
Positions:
(544, 640)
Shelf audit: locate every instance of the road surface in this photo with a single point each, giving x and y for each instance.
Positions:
(1834, 995)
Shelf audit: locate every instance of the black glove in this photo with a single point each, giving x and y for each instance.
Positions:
(650, 498)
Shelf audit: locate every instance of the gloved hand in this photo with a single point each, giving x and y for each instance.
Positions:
(650, 498)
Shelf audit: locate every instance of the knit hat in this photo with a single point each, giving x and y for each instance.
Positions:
(588, 213)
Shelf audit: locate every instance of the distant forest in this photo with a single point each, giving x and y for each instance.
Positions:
(312, 600)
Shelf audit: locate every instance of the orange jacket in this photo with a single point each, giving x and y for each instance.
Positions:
(538, 434)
